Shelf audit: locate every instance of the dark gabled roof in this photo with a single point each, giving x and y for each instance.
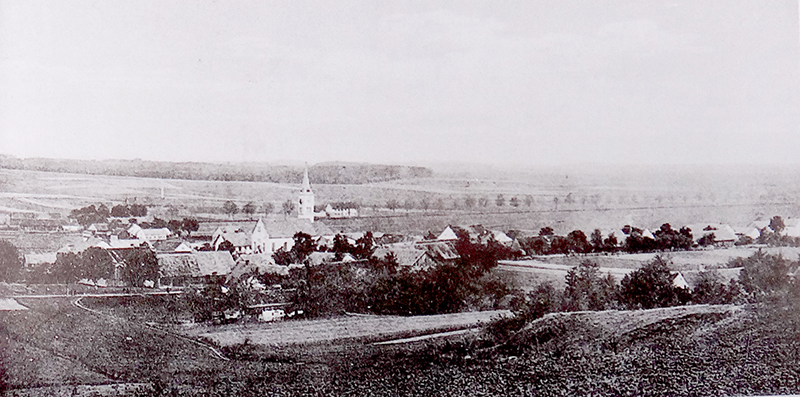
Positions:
(166, 246)
(206, 229)
(196, 264)
(236, 238)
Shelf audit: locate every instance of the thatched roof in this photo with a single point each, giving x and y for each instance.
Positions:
(196, 264)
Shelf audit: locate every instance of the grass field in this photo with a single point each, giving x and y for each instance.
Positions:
(362, 328)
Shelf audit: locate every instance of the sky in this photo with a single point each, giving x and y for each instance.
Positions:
(525, 82)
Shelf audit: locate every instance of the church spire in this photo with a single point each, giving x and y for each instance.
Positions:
(306, 184)
(305, 201)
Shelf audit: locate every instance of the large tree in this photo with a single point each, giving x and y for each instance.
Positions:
(230, 208)
(651, 286)
(139, 264)
(11, 261)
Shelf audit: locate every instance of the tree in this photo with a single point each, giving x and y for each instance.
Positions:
(139, 265)
(287, 207)
(11, 261)
(542, 300)
(102, 211)
(469, 202)
(711, 290)
(424, 203)
(546, 231)
(559, 245)
(596, 241)
(409, 204)
(392, 204)
(587, 290)
(764, 274)
(668, 238)
(514, 202)
(528, 200)
(120, 211)
(776, 224)
(268, 208)
(138, 210)
(577, 242)
(706, 240)
(611, 243)
(303, 247)
(500, 200)
(190, 225)
(230, 208)
(249, 208)
(365, 246)
(175, 226)
(651, 286)
(483, 201)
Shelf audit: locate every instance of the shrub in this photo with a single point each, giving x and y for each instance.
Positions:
(651, 286)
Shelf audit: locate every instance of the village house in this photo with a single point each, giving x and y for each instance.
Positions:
(422, 255)
(341, 210)
(724, 235)
(477, 234)
(180, 269)
(246, 237)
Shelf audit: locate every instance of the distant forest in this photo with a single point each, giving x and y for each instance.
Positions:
(323, 173)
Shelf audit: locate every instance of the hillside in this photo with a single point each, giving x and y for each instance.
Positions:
(696, 350)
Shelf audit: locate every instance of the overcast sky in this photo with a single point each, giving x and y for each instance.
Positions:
(505, 82)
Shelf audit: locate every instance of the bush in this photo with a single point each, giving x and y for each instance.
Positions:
(651, 287)
(11, 261)
(587, 290)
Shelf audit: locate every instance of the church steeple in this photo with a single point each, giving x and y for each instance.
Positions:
(305, 201)
(306, 184)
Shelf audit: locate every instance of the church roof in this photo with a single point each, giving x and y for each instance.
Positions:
(287, 227)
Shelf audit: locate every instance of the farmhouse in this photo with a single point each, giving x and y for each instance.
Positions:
(477, 234)
(422, 255)
(723, 233)
(182, 268)
(151, 235)
(245, 237)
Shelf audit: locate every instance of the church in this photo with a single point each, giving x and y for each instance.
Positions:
(268, 234)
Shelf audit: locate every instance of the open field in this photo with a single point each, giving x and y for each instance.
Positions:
(565, 199)
(365, 328)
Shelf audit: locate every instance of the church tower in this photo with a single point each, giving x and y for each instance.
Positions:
(305, 208)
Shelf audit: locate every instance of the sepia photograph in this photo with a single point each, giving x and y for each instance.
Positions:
(399, 198)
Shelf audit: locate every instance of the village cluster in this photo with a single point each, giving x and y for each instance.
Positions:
(190, 251)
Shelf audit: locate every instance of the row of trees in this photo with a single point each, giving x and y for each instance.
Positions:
(132, 266)
(100, 213)
(576, 241)
(230, 208)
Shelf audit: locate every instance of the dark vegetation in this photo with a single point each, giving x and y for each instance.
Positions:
(134, 266)
(11, 261)
(324, 173)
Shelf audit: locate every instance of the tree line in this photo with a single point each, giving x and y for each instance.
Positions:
(331, 173)
(133, 266)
